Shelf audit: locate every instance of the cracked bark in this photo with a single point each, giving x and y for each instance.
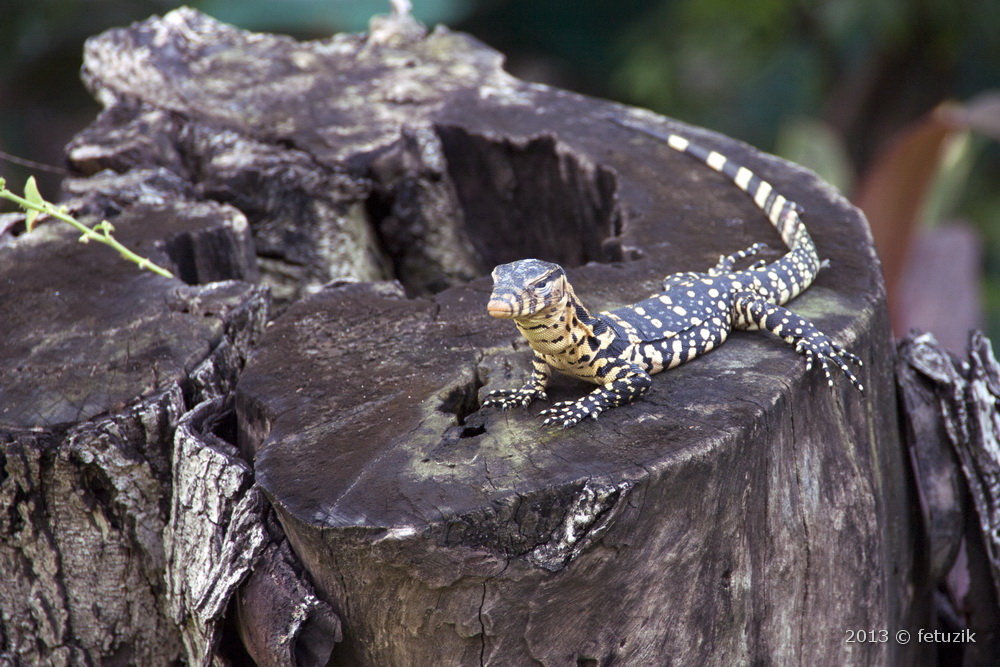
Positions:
(950, 426)
(225, 550)
(98, 365)
(378, 175)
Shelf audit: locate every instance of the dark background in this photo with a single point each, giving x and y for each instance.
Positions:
(831, 85)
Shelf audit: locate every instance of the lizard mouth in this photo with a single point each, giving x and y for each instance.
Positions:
(500, 309)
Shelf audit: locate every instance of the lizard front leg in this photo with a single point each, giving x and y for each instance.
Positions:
(751, 311)
(533, 389)
(626, 383)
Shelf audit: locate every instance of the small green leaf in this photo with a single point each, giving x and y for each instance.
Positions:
(31, 192)
(3, 183)
(33, 196)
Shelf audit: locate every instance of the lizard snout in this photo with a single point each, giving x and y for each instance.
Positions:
(500, 308)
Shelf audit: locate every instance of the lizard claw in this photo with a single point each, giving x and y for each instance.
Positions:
(823, 352)
(505, 399)
(567, 414)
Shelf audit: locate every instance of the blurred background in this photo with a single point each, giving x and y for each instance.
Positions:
(896, 102)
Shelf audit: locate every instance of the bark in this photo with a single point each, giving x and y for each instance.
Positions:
(950, 414)
(222, 535)
(281, 620)
(99, 361)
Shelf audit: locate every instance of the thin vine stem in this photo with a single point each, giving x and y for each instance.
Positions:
(101, 232)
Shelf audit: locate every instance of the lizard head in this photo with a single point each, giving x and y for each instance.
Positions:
(528, 288)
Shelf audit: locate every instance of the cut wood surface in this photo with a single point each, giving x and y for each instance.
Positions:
(741, 512)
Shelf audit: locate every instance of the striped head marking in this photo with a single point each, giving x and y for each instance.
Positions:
(527, 288)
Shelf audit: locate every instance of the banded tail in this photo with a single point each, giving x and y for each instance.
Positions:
(783, 213)
(802, 263)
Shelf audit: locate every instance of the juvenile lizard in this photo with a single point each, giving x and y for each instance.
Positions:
(619, 350)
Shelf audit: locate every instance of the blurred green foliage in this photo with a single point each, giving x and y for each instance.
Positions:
(325, 16)
(747, 69)
(826, 83)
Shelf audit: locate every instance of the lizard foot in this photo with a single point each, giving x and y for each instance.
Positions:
(726, 262)
(823, 352)
(505, 399)
(568, 413)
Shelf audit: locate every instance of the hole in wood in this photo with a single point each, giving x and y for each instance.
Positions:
(225, 427)
(180, 248)
(538, 199)
(462, 401)
(501, 200)
(472, 431)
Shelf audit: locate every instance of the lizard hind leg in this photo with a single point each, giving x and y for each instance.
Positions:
(685, 278)
(726, 262)
(751, 312)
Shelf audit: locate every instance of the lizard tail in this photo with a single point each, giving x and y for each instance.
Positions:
(783, 213)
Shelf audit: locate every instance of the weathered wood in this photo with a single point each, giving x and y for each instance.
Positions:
(742, 512)
(932, 457)
(98, 361)
(221, 536)
(216, 530)
(281, 620)
(950, 413)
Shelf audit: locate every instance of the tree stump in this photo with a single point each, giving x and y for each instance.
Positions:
(98, 362)
(741, 512)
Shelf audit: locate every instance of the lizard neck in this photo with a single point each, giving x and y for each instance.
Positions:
(559, 329)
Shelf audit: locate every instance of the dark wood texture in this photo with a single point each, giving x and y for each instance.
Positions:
(742, 512)
(951, 428)
(98, 361)
(231, 578)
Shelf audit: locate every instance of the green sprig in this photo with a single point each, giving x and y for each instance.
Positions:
(35, 206)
